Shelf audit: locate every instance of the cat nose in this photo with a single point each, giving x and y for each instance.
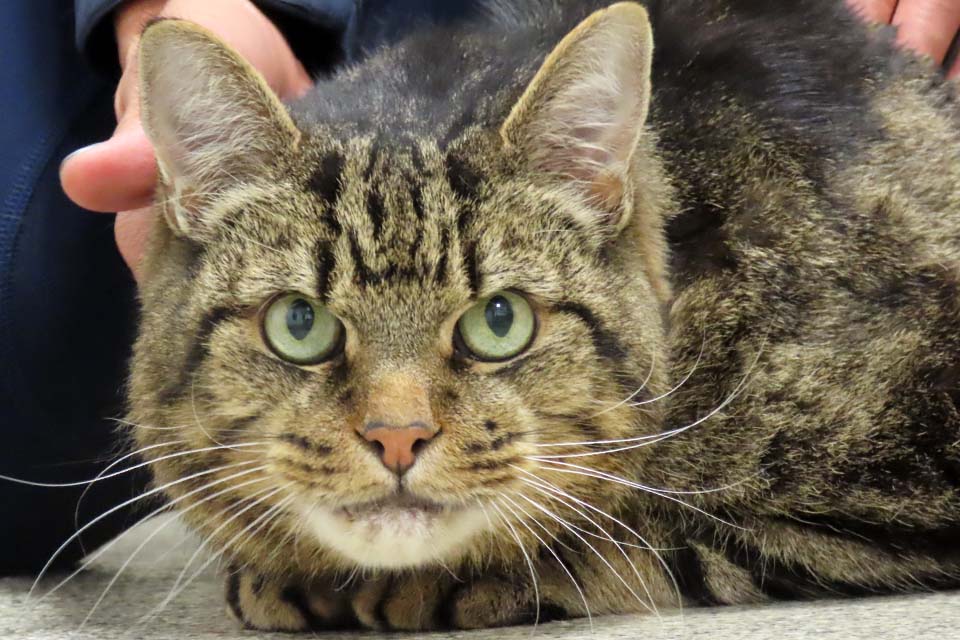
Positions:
(398, 445)
(398, 422)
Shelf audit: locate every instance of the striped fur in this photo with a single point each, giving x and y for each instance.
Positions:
(766, 274)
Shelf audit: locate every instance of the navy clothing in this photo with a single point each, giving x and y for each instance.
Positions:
(300, 20)
(67, 302)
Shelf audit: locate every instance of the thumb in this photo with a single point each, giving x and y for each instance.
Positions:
(118, 174)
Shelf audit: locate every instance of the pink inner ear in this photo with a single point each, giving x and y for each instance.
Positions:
(595, 158)
(590, 127)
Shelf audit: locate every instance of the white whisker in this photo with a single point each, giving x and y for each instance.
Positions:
(122, 505)
(553, 553)
(606, 537)
(544, 485)
(601, 475)
(89, 560)
(153, 534)
(101, 476)
(653, 363)
(136, 425)
(257, 499)
(655, 437)
(97, 478)
(649, 607)
(526, 556)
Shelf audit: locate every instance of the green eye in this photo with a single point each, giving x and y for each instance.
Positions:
(498, 327)
(302, 331)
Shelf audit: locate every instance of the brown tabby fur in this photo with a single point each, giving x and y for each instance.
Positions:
(779, 303)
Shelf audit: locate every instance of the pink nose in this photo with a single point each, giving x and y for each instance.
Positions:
(399, 445)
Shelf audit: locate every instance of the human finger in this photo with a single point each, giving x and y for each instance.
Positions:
(880, 11)
(927, 26)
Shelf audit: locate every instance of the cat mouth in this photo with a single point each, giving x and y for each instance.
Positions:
(396, 531)
(395, 504)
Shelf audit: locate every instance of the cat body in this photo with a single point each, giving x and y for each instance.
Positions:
(733, 231)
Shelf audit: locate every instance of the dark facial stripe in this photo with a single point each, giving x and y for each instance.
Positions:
(375, 210)
(417, 241)
(490, 465)
(309, 472)
(463, 179)
(416, 199)
(364, 275)
(197, 354)
(371, 161)
(475, 447)
(332, 222)
(472, 269)
(508, 370)
(606, 343)
(302, 442)
(507, 438)
(327, 262)
(325, 181)
(440, 271)
(464, 218)
(240, 427)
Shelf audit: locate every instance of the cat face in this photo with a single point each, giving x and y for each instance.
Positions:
(367, 343)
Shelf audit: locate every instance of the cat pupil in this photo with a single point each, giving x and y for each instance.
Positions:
(499, 316)
(300, 319)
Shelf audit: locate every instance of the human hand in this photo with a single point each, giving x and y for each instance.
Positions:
(119, 175)
(925, 26)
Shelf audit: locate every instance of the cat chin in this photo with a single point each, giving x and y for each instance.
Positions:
(392, 537)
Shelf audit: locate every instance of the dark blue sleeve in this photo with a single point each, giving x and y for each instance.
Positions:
(296, 18)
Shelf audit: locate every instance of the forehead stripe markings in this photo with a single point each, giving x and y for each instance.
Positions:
(375, 210)
(440, 271)
(472, 269)
(364, 276)
(326, 264)
(463, 180)
(326, 180)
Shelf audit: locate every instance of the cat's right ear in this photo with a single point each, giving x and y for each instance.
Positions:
(214, 122)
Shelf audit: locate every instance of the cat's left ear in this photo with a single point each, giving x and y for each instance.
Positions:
(582, 115)
(214, 122)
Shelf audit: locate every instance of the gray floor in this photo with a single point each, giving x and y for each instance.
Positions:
(199, 612)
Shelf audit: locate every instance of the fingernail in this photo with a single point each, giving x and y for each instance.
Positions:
(77, 152)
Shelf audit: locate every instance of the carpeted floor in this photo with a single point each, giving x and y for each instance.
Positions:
(198, 612)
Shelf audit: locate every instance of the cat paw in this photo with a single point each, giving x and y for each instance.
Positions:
(425, 602)
(499, 602)
(263, 604)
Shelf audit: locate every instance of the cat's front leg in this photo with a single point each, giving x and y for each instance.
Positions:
(436, 599)
(268, 604)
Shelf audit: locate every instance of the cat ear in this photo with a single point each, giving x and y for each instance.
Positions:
(213, 121)
(583, 113)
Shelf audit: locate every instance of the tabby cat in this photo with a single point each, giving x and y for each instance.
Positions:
(570, 311)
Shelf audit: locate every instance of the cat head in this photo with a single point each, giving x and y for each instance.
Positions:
(387, 346)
